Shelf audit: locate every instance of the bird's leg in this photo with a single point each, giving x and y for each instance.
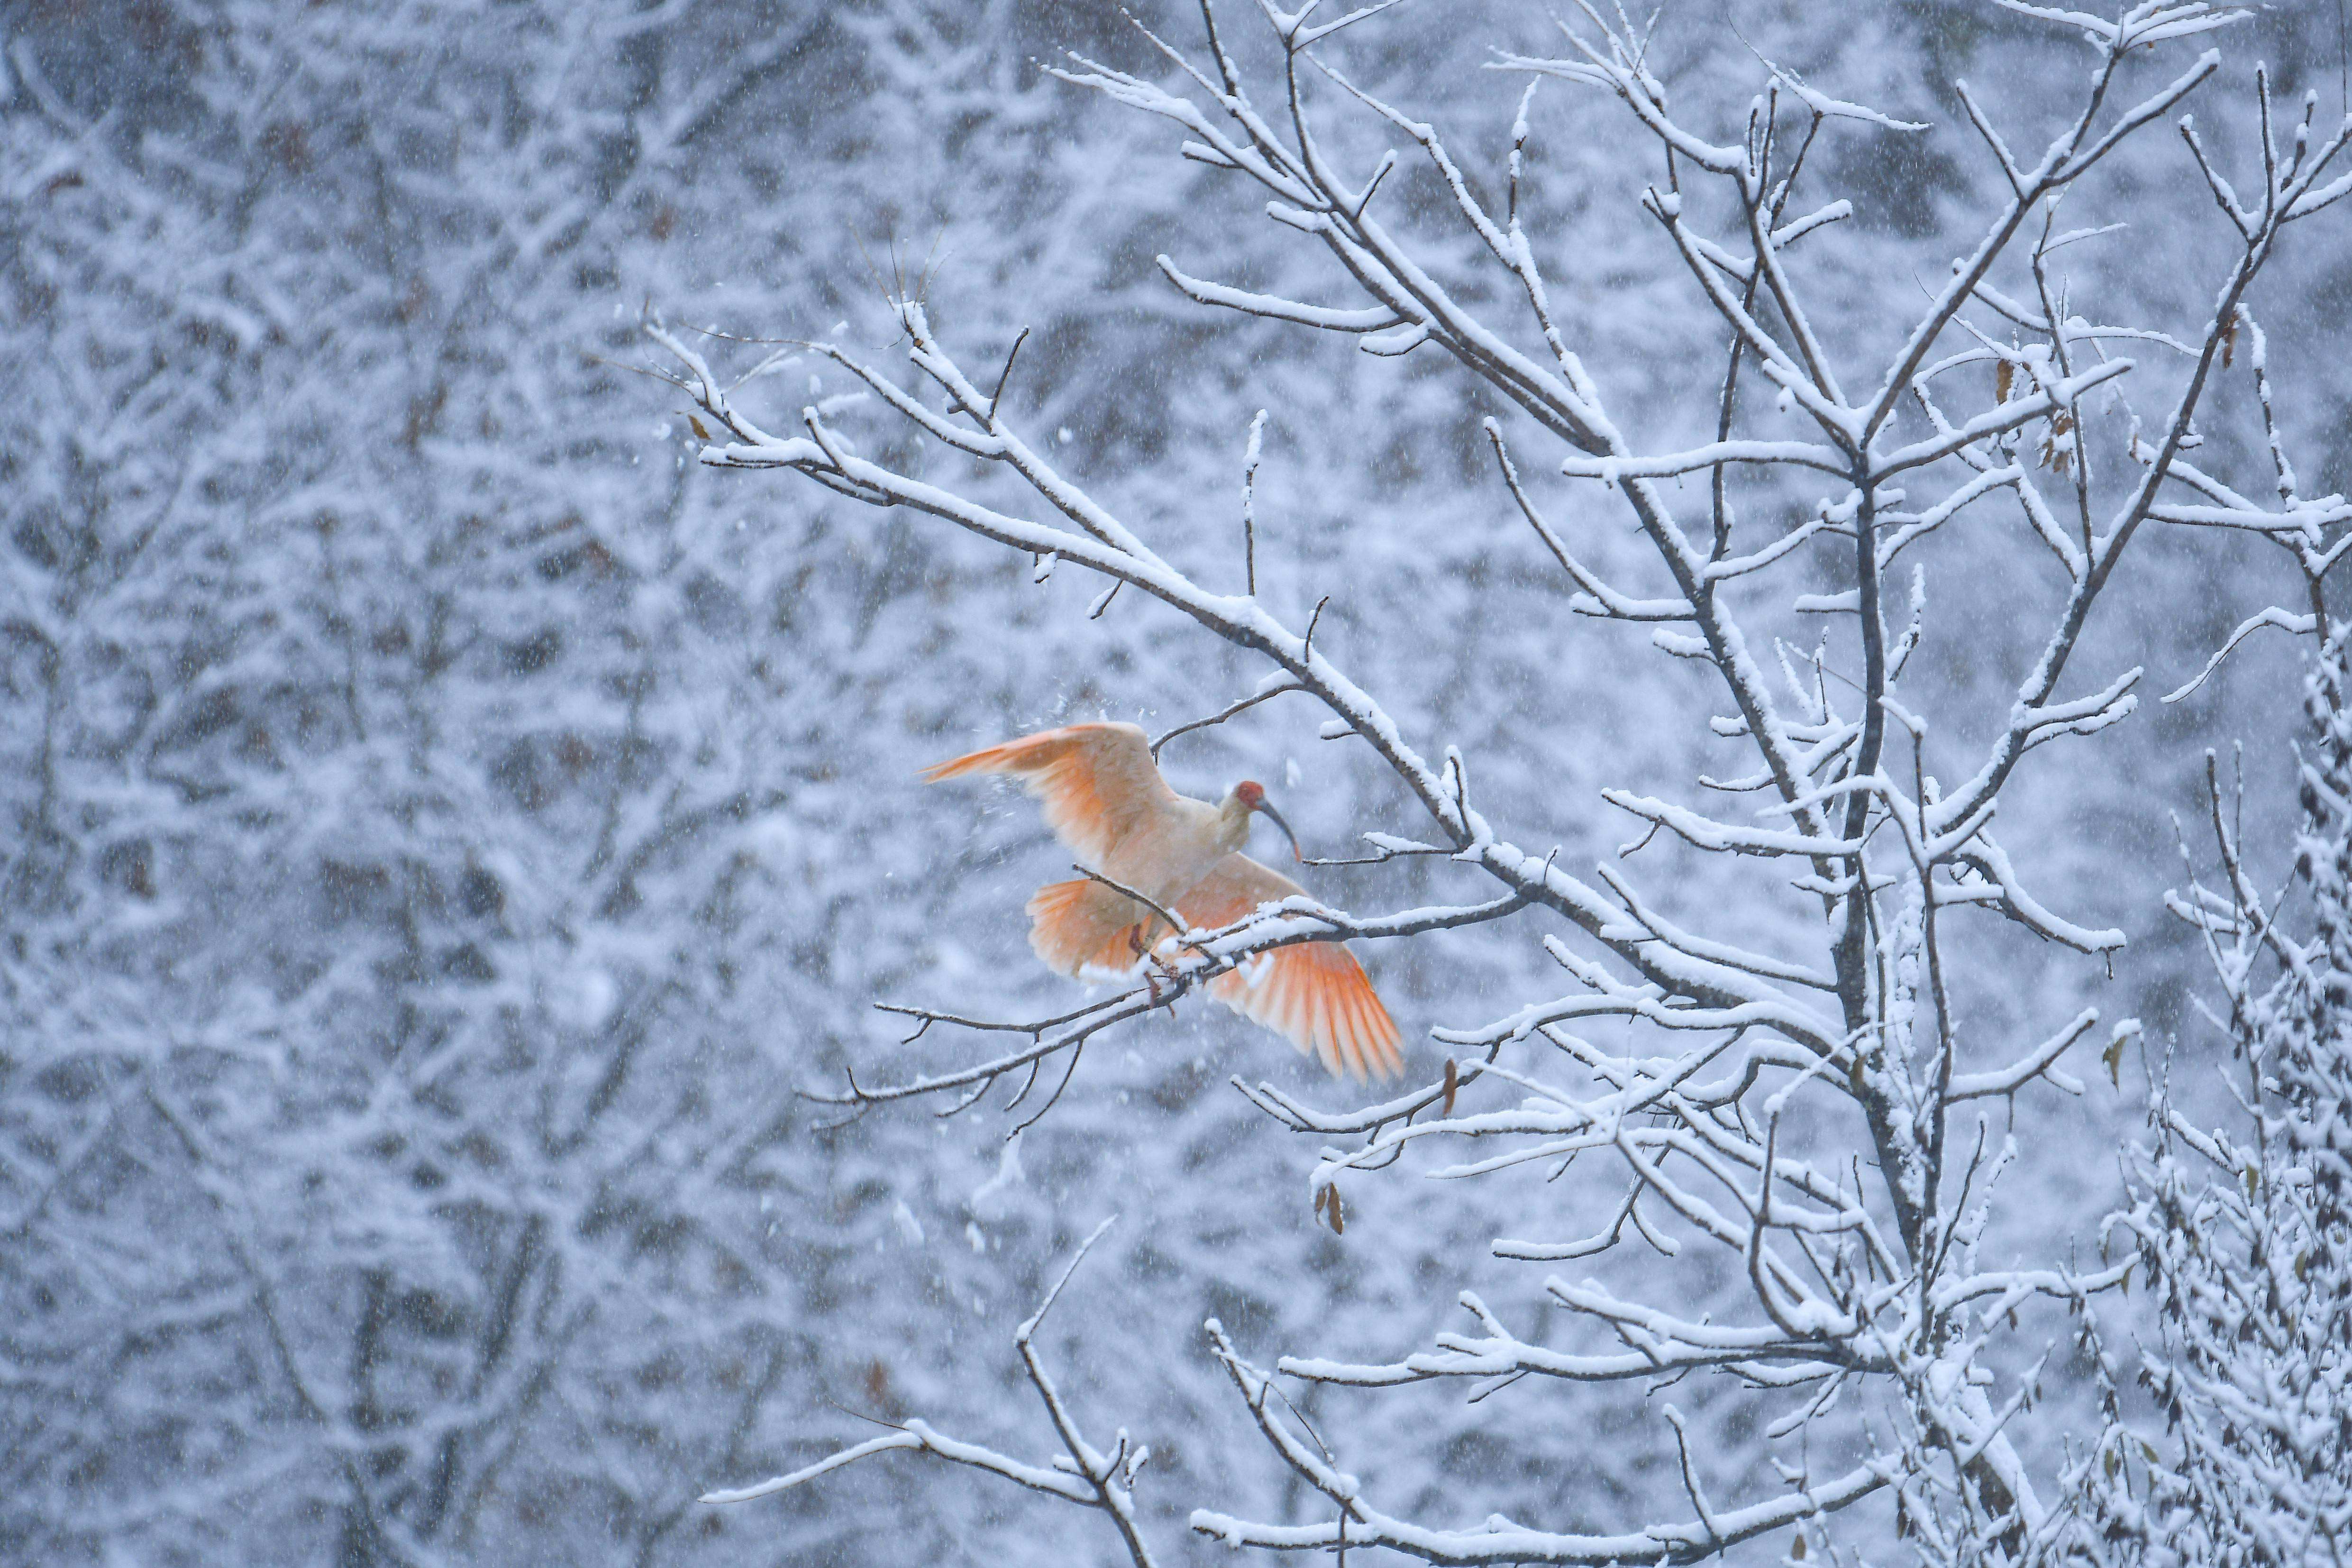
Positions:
(1155, 968)
(1143, 955)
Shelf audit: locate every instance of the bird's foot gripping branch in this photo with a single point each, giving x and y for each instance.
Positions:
(1818, 1117)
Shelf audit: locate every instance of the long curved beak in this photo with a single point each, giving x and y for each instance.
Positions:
(1267, 810)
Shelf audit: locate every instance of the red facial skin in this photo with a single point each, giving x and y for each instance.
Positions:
(1251, 793)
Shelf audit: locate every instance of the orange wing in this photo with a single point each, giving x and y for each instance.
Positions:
(1315, 994)
(1098, 781)
(1088, 931)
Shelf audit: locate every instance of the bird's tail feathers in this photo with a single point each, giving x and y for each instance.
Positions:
(1082, 928)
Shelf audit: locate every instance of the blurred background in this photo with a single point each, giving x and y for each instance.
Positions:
(446, 827)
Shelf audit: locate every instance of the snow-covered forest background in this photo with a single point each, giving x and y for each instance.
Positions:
(446, 827)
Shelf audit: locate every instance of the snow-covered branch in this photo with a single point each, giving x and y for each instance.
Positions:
(1082, 1473)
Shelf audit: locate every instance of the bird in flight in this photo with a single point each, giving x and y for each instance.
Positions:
(1104, 797)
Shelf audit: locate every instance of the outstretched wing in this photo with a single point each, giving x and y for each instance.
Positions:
(1088, 931)
(1097, 782)
(1314, 994)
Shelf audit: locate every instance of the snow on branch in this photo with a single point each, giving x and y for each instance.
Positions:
(1358, 1522)
(1375, 319)
(2284, 620)
(2041, 1062)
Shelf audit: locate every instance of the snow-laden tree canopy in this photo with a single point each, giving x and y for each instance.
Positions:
(458, 837)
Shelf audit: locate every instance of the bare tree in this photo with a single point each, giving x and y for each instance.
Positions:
(1824, 1122)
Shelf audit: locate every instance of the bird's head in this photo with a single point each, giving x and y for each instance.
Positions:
(1250, 796)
